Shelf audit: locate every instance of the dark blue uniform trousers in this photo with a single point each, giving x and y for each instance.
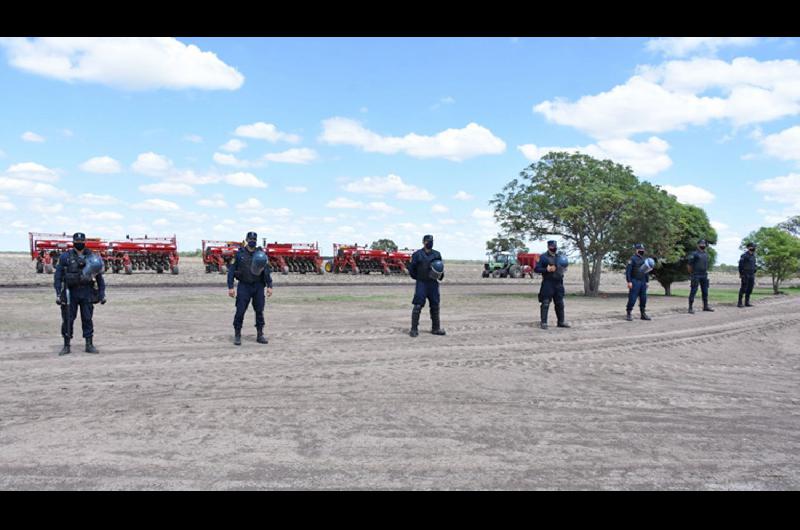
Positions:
(702, 281)
(748, 282)
(245, 293)
(639, 290)
(426, 289)
(80, 299)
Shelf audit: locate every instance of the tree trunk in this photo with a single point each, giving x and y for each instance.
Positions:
(586, 279)
(667, 289)
(775, 284)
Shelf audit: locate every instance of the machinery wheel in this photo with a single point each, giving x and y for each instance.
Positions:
(208, 269)
(128, 269)
(355, 270)
(159, 270)
(39, 267)
(328, 267)
(285, 269)
(484, 274)
(496, 273)
(515, 272)
(175, 269)
(48, 268)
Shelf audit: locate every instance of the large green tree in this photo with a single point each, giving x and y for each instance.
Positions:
(692, 225)
(384, 244)
(777, 253)
(503, 244)
(584, 200)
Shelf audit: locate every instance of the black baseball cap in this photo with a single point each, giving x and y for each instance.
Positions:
(78, 237)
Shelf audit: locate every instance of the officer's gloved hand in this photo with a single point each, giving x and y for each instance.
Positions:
(58, 299)
(103, 301)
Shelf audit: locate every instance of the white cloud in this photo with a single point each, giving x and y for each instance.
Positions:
(265, 131)
(231, 160)
(233, 146)
(27, 188)
(439, 208)
(97, 200)
(645, 158)
(216, 201)
(451, 144)
(244, 180)
(43, 207)
(132, 63)
(101, 164)
(167, 188)
(250, 204)
(784, 145)
(671, 97)
(91, 215)
(343, 202)
(194, 138)
(477, 213)
(32, 171)
(683, 46)
(785, 189)
(29, 136)
(296, 189)
(156, 205)
(448, 222)
(463, 196)
(293, 156)
(152, 164)
(690, 194)
(380, 186)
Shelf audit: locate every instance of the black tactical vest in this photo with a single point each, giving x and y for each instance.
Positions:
(748, 263)
(636, 267)
(75, 263)
(243, 273)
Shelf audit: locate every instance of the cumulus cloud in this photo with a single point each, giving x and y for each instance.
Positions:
(265, 131)
(451, 144)
(131, 63)
(343, 202)
(97, 200)
(690, 194)
(167, 188)
(391, 184)
(233, 146)
(645, 158)
(683, 46)
(32, 171)
(152, 164)
(244, 180)
(27, 188)
(101, 164)
(250, 204)
(231, 160)
(439, 208)
(785, 189)
(463, 196)
(296, 189)
(293, 156)
(29, 136)
(216, 201)
(784, 145)
(91, 215)
(44, 207)
(671, 97)
(156, 205)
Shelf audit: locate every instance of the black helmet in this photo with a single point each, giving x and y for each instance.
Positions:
(78, 237)
(258, 263)
(562, 262)
(437, 269)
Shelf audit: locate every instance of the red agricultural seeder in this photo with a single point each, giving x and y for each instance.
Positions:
(363, 260)
(294, 257)
(144, 253)
(46, 248)
(217, 255)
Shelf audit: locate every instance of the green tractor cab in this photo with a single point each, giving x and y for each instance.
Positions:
(501, 265)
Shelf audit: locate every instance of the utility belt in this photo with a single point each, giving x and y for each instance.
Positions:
(94, 292)
(247, 278)
(75, 279)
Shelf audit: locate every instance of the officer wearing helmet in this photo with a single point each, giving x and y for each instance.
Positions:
(747, 273)
(427, 268)
(77, 272)
(698, 269)
(552, 266)
(637, 274)
(251, 267)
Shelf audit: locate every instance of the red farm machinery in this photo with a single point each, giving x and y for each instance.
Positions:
(294, 257)
(217, 255)
(46, 248)
(363, 260)
(144, 253)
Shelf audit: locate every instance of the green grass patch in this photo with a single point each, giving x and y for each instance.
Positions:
(335, 298)
(727, 295)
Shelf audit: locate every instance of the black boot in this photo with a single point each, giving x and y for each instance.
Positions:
(545, 308)
(237, 337)
(628, 316)
(260, 338)
(691, 311)
(65, 350)
(415, 320)
(89, 346)
(435, 325)
(739, 304)
(644, 315)
(562, 323)
(747, 301)
(707, 307)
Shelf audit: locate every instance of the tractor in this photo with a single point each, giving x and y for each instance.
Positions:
(509, 264)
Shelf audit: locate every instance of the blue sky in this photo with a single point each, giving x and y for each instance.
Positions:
(356, 139)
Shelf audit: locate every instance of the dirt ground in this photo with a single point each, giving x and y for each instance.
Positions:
(343, 398)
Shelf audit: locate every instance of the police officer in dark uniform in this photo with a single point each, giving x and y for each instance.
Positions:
(698, 268)
(427, 268)
(637, 280)
(551, 266)
(747, 272)
(251, 267)
(74, 281)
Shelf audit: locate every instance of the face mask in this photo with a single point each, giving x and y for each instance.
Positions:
(640, 252)
(702, 247)
(79, 246)
(251, 244)
(429, 244)
(552, 249)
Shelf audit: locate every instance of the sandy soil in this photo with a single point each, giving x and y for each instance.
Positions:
(342, 398)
